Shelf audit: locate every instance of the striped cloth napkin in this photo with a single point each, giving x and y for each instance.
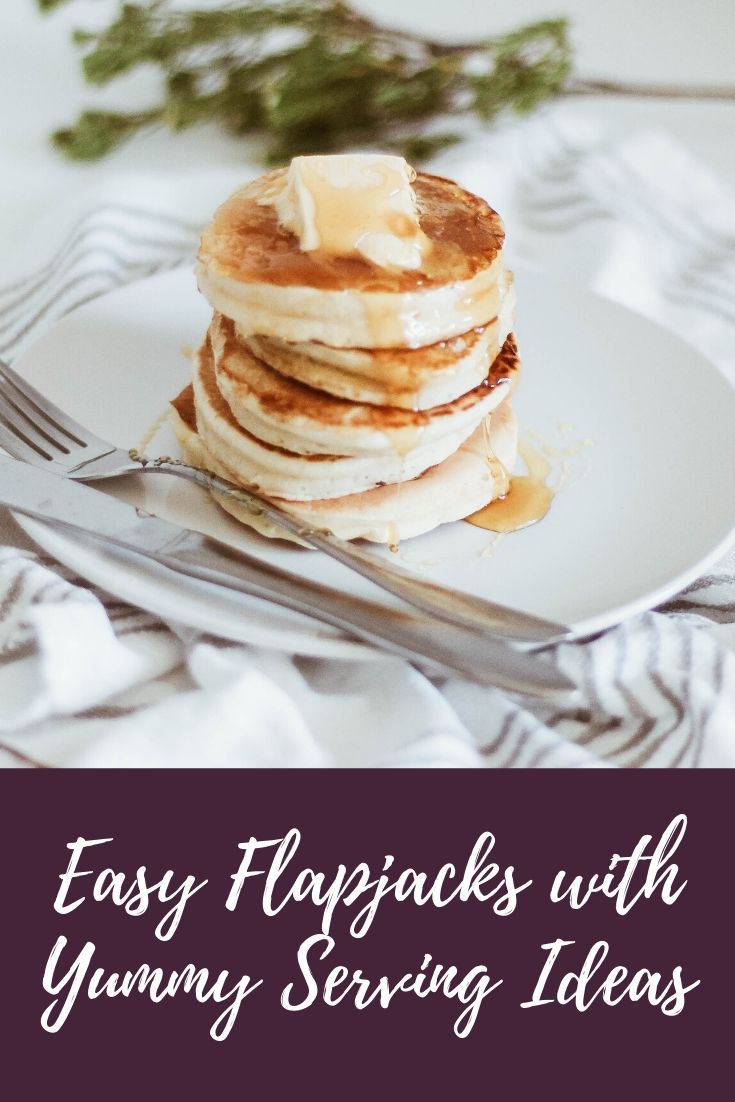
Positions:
(90, 681)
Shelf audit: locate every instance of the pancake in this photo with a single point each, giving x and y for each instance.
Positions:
(408, 378)
(462, 484)
(304, 420)
(252, 270)
(370, 399)
(276, 470)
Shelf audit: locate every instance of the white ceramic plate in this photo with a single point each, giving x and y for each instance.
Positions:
(639, 426)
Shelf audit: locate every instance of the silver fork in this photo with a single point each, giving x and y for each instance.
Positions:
(35, 430)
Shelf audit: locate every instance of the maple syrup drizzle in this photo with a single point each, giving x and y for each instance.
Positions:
(525, 498)
(385, 328)
(394, 538)
(403, 438)
(343, 213)
(526, 502)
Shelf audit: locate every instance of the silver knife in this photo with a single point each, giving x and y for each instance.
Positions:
(443, 647)
(451, 605)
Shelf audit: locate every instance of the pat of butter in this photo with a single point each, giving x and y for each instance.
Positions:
(353, 203)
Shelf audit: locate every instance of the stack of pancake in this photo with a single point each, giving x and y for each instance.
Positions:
(368, 400)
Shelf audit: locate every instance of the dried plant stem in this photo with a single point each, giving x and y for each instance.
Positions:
(589, 86)
(310, 76)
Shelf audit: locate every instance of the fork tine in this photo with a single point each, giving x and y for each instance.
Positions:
(17, 444)
(25, 397)
(16, 413)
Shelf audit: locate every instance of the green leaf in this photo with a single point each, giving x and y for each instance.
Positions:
(419, 149)
(308, 76)
(529, 66)
(99, 132)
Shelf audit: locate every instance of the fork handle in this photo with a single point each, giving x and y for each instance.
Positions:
(452, 606)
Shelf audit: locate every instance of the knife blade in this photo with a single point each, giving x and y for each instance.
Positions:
(452, 605)
(410, 634)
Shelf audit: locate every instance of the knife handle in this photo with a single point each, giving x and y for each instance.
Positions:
(449, 605)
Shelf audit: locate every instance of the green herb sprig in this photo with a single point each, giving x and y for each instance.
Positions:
(308, 77)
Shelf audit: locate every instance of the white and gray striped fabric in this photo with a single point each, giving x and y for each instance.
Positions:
(87, 680)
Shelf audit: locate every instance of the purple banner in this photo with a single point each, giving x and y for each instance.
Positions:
(363, 934)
